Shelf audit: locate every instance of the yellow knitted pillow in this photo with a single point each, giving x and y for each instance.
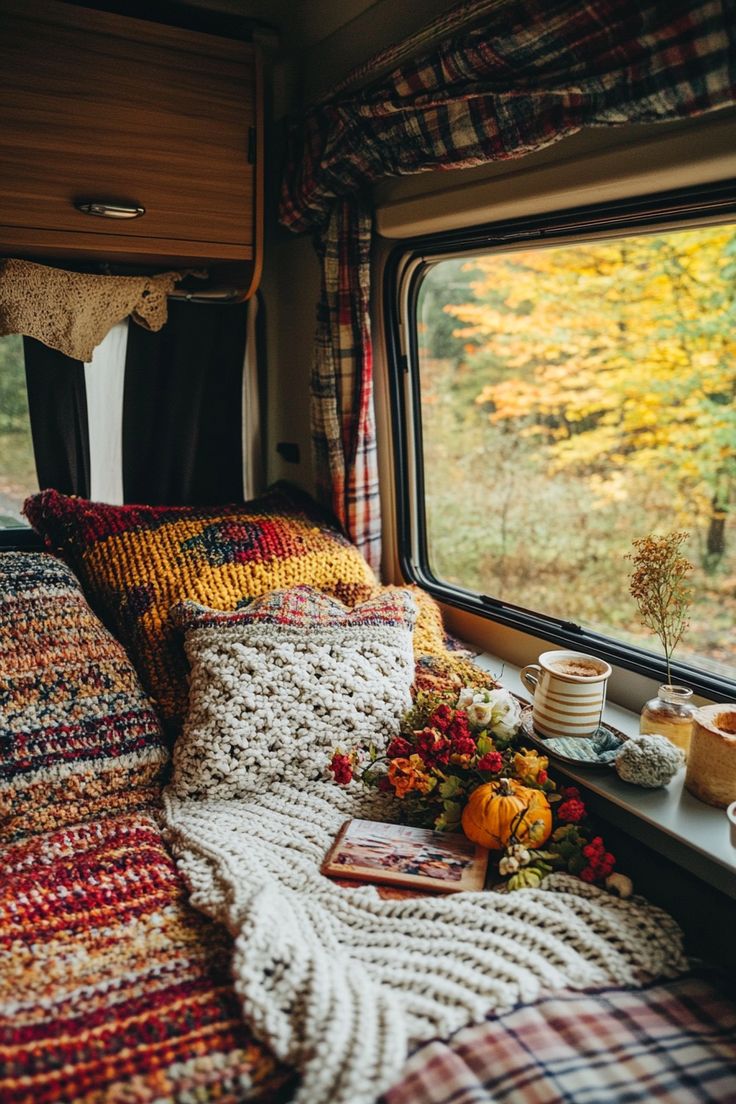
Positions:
(439, 667)
(136, 562)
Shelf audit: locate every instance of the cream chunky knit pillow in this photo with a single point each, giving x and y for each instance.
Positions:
(275, 686)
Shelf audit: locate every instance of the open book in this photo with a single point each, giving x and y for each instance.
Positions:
(396, 854)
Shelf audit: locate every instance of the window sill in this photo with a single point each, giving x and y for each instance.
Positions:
(669, 820)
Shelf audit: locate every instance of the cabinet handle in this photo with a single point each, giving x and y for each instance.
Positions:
(111, 210)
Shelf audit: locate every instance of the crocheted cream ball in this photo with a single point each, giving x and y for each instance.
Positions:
(649, 760)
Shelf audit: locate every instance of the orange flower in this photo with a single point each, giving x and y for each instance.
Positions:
(409, 774)
(401, 776)
(423, 781)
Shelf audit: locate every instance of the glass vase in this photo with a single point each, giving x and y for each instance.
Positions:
(670, 714)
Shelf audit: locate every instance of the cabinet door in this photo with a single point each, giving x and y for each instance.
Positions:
(100, 107)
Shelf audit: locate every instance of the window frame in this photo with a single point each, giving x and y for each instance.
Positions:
(19, 537)
(405, 269)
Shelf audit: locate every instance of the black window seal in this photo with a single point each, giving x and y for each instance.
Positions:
(661, 210)
(20, 538)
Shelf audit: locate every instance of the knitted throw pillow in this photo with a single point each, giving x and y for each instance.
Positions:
(274, 687)
(78, 737)
(136, 562)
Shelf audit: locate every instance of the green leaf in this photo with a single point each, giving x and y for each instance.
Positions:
(485, 744)
(452, 813)
(450, 786)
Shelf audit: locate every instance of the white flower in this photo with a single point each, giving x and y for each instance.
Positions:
(508, 865)
(520, 853)
(505, 713)
(466, 697)
(480, 714)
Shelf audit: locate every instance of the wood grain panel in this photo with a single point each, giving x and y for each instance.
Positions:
(25, 241)
(100, 106)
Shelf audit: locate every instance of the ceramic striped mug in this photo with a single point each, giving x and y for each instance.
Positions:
(569, 692)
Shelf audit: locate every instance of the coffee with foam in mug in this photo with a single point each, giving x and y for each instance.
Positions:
(584, 668)
(569, 692)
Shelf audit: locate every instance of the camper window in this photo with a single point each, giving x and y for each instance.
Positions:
(572, 388)
(17, 465)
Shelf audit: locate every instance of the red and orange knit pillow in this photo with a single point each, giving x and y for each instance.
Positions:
(136, 562)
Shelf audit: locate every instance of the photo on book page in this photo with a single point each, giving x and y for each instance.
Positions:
(395, 854)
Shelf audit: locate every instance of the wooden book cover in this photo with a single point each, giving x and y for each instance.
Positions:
(395, 854)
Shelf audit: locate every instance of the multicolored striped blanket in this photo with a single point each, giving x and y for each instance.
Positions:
(113, 990)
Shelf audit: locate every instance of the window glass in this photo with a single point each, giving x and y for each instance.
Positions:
(575, 397)
(17, 466)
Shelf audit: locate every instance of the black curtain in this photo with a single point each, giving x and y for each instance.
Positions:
(57, 404)
(182, 441)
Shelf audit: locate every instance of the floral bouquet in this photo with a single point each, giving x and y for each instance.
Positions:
(456, 764)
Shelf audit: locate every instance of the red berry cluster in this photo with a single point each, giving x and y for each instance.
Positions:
(493, 761)
(571, 811)
(342, 768)
(600, 861)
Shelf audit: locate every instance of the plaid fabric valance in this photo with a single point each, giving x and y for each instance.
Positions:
(532, 72)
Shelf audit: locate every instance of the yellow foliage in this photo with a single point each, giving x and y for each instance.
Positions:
(620, 352)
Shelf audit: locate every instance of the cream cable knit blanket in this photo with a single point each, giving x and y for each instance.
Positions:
(342, 984)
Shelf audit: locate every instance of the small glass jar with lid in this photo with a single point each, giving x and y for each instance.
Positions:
(670, 714)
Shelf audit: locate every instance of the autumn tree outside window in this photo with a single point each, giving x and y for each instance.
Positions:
(572, 397)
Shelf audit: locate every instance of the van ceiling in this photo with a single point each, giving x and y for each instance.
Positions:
(325, 39)
(300, 24)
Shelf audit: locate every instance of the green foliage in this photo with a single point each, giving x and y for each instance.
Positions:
(13, 400)
(451, 786)
(436, 326)
(17, 465)
(449, 818)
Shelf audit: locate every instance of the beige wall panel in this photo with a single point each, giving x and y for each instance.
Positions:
(594, 166)
(364, 34)
(291, 289)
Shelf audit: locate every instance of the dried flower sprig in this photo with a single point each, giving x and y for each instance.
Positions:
(658, 583)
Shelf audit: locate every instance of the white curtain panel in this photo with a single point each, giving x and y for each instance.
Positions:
(104, 379)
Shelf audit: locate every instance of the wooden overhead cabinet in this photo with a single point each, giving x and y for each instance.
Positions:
(155, 129)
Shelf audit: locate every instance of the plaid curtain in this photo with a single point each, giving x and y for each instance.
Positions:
(531, 73)
(343, 427)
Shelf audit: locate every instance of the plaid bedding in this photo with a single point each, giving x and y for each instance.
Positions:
(674, 1043)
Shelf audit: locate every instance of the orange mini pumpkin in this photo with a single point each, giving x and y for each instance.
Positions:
(497, 809)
